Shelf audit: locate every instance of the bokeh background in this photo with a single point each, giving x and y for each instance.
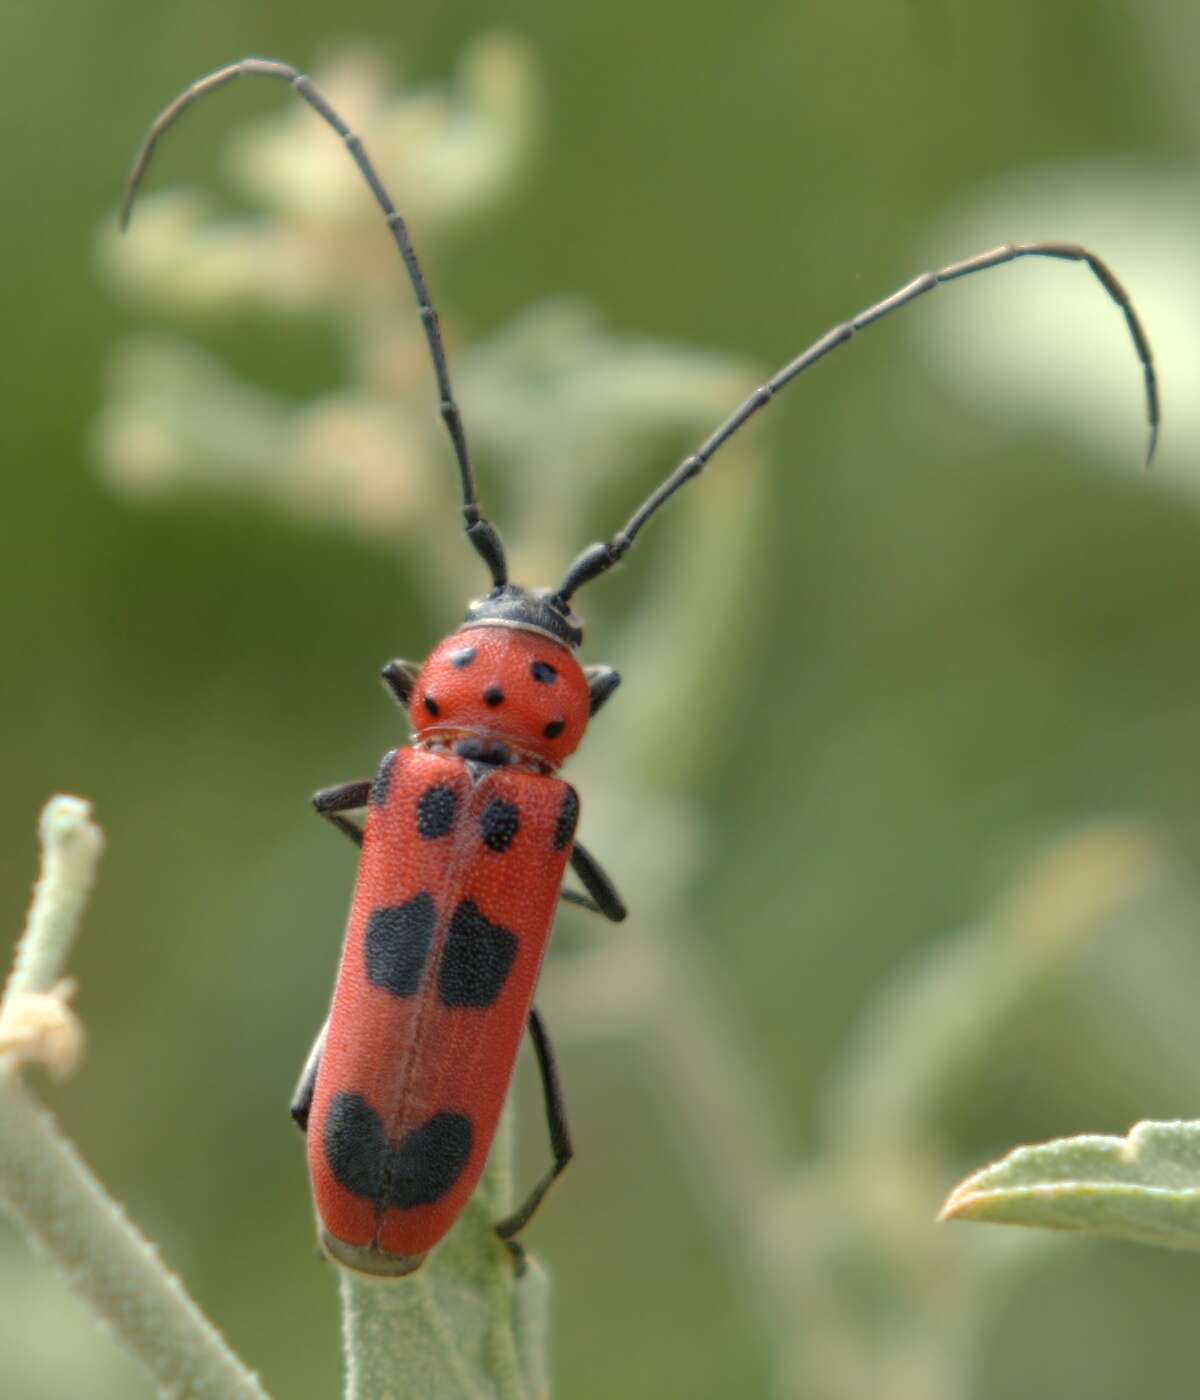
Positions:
(956, 687)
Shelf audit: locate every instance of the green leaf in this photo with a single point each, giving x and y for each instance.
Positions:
(1144, 1187)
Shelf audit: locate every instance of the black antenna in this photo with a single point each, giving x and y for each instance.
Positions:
(598, 558)
(482, 534)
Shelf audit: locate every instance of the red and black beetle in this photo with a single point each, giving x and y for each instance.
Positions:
(469, 831)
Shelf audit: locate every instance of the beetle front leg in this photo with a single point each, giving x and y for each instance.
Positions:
(400, 677)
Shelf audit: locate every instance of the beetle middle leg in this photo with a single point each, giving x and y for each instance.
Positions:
(331, 802)
(602, 896)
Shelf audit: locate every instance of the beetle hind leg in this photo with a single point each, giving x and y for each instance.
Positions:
(560, 1141)
(301, 1105)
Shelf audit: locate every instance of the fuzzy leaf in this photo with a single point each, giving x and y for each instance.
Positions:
(1144, 1187)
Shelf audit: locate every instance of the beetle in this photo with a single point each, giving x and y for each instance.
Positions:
(469, 830)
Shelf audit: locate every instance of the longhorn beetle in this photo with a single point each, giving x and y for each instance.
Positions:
(468, 831)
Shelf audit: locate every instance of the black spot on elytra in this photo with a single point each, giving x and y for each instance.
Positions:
(543, 672)
(568, 815)
(383, 780)
(416, 1171)
(462, 657)
(475, 959)
(426, 1163)
(493, 696)
(500, 823)
(354, 1145)
(397, 944)
(436, 808)
(554, 728)
(431, 705)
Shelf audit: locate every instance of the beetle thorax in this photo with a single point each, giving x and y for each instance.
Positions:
(498, 693)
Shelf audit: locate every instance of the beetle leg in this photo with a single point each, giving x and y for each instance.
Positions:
(303, 1097)
(602, 681)
(400, 677)
(560, 1138)
(330, 802)
(583, 901)
(598, 885)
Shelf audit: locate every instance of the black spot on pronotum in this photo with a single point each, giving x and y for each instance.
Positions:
(462, 657)
(543, 672)
(475, 959)
(416, 1171)
(568, 815)
(493, 696)
(383, 780)
(396, 946)
(554, 728)
(436, 808)
(431, 706)
(424, 1165)
(499, 824)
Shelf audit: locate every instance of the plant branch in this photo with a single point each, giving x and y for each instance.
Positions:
(45, 1184)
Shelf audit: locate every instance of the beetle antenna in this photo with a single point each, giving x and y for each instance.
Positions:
(480, 531)
(596, 559)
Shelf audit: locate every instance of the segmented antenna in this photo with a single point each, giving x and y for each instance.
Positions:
(596, 559)
(482, 534)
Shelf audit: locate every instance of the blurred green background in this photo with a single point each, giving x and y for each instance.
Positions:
(968, 631)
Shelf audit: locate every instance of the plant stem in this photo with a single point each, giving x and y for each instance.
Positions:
(465, 1327)
(46, 1186)
(71, 846)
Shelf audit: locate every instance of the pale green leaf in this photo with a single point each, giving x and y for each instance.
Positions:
(1144, 1187)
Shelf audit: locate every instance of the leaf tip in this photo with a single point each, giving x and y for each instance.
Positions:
(961, 1204)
